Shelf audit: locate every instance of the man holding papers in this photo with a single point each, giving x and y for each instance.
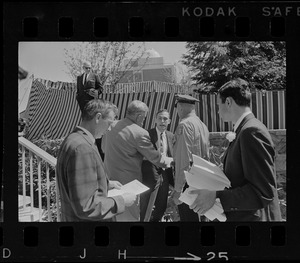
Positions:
(126, 145)
(248, 163)
(192, 137)
(81, 177)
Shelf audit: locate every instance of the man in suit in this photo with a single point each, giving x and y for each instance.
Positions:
(156, 178)
(192, 137)
(126, 145)
(81, 177)
(248, 162)
(88, 86)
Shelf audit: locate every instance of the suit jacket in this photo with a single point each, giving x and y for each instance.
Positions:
(82, 181)
(125, 147)
(170, 141)
(250, 167)
(192, 137)
(92, 82)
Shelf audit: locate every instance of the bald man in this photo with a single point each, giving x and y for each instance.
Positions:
(88, 86)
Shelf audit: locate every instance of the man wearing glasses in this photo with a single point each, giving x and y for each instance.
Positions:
(88, 86)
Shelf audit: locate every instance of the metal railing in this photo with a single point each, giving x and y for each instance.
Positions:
(39, 193)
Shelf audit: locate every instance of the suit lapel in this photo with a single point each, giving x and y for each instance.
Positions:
(153, 137)
(244, 121)
(88, 139)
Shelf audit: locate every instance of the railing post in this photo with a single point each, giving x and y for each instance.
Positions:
(48, 192)
(39, 188)
(57, 200)
(24, 178)
(31, 179)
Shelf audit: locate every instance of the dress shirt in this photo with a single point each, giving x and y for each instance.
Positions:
(236, 125)
(85, 76)
(162, 143)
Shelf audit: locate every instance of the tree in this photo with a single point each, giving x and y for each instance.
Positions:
(106, 58)
(262, 64)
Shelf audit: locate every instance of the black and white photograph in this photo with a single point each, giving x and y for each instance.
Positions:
(151, 131)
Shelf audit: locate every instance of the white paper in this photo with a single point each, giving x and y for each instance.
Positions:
(215, 212)
(201, 180)
(133, 187)
(205, 175)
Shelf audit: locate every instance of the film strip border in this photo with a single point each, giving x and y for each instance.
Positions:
(137, 242)
(267, 21)
(187, 20)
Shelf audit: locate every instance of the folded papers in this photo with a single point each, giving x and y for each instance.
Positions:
(205, 175)
(133, 187)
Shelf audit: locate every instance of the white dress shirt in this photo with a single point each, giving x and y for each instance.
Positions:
(236, 125)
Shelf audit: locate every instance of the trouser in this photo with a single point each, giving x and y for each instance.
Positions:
(188, 215)
(161, 201)
(151, 178)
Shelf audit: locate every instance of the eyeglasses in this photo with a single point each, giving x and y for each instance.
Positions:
(87, 67)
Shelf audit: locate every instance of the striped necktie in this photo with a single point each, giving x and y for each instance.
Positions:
(162, 145)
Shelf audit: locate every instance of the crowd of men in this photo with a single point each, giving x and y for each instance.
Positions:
(87, 167)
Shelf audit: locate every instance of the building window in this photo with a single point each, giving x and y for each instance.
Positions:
(134, 63)
(137, 77)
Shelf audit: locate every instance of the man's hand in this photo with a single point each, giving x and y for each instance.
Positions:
(114, 184)
(175, 196)
(129, 198)
(93, 93)
(204, 201)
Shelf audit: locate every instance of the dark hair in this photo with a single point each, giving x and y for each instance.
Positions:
(161, 111)
(98, 105)
(238, 89)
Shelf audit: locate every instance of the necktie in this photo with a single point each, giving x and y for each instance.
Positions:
(84, 79)
(162, 145)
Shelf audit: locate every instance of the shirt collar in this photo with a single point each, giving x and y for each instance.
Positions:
(158, 132)
(236, 125)
(88, 133)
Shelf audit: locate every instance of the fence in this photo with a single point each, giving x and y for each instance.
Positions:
(53, 111)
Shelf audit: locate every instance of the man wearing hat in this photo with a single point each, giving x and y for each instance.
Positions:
(192, 137)
(88, 86)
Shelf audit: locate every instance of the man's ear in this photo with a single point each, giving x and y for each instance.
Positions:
(98, 117)
(228, 101)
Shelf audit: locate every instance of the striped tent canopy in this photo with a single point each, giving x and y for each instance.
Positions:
(53, 111)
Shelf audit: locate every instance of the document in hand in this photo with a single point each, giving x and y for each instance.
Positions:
(205, 175)
(133, 187)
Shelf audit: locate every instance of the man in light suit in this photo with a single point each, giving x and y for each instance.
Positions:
(82, 180)
(88, 86)
(248, 162)
(156, 178)
(126, 145)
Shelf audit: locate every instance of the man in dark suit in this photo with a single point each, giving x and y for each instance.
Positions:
(155, 177)
(248, 162)
(88, 86)
(81, 177)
